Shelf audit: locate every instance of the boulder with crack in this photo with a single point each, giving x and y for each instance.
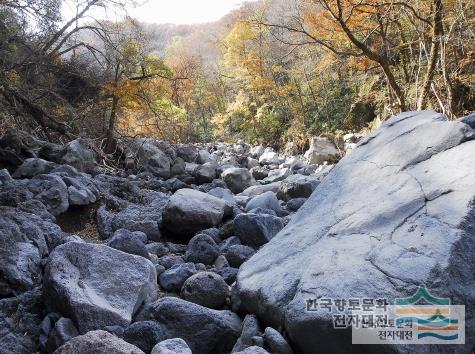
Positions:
(96, 285)
(396, 213)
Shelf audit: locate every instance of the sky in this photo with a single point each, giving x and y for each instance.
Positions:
(167, 11)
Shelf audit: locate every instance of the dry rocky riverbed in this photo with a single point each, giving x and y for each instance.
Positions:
(213, 248)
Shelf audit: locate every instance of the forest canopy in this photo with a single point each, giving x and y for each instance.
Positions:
(270, 72)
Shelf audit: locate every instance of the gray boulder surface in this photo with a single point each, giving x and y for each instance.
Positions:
(32, 167)
(394, 214)
(78, 154)
(190, 211)
(98, 342)
(173, 278)
(63, 331)
(206, 289)
(144, 335)
(205, 331)
(266, 200)
(256, 229)
(172, 346)
(237, 179)
(202, 249)
(129, 242)
(24, 240)
(297, 186)
(275, 342)
(96, 285)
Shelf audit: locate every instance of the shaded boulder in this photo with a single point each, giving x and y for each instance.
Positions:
(32, 167)
(51, 191)
(295, 204)
(253, 350)
(190, 211)
(24, 240)
(188, 153)
(202, 249)
(63, 331)
(20, 320)
(205, 173)
(204, 330)
(223, 193)
(277, 175)
(396, 213)
(238, 254)
(173, 278)
(250, 329)
(297, 186)
(257, 229)
(144, 335)
(275, 342)
(98, 342)
(78, 154)
(129, 242)
(96, 285)
(237, 179)
(148, 157)
(228, 273)
(206, 289)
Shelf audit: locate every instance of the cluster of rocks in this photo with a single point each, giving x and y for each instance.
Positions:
(213, 248)
(171, 230)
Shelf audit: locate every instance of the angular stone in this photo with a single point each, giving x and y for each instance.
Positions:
(98, 342)
(96, 285)
(205, 331)
(237, 179)
(190, 211)
(257, 229)
(172, 346)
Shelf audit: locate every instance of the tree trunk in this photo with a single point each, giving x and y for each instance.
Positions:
(110, 143)
(433, 55)
(394, 85)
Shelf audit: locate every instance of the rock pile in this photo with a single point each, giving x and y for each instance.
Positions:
(145, 259)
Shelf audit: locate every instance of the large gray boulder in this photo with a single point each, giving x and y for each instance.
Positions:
(20, 319)
(266, 200)
(96, 285)
(50, 190)
(396, 213)
(190, 211)
(206, 289)
(32, 167)
(205, 331)
(257, 229)
(297, 186)
(78, 154)
(205, 173)
(237, 179)
(148, 157)
(97, 342)
(24, 240)
(321, 149)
